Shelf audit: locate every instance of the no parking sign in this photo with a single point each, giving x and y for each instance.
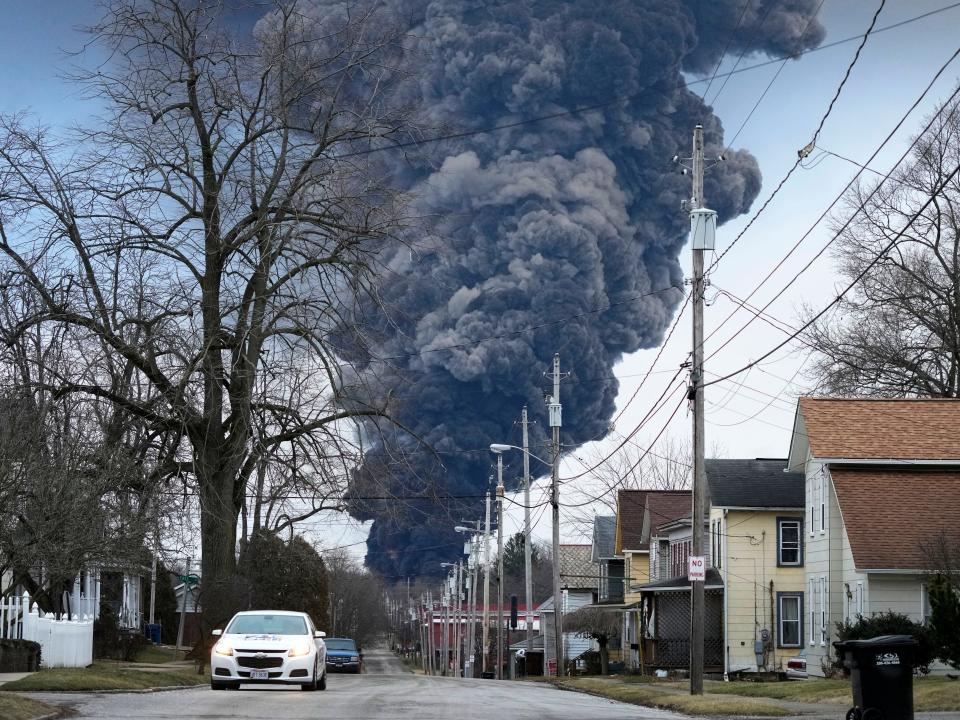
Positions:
(696, 568)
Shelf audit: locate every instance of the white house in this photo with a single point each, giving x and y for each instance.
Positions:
(882, 490)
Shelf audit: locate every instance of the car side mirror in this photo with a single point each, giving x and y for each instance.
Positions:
(319, 634)
(216, 633)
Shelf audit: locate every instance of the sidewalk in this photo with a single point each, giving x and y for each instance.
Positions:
(10, 677)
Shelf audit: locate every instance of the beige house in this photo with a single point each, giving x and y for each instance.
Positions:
(882, 491)
(756, 543)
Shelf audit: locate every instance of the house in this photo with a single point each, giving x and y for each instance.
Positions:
(578, 588)
(663, 630)
(608, 564)
(882, 492)
(756, 544)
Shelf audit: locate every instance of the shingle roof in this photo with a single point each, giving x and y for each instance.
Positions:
(892, 515)
(903, 429)
(604, 537)
(760, 483)
(666, 507)
(576, 568)
(630, 505)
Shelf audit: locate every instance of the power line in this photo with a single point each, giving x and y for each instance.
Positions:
(837, 199)
(869, 266)
(598, 106)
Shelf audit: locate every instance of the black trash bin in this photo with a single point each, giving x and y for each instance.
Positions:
(881, 672)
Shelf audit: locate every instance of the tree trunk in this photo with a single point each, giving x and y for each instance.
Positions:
(604, 656)
(218, 534)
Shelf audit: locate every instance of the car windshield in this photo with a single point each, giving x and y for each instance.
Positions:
(267, 625)
(338, 644)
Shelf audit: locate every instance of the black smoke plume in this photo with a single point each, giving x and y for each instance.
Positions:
(541, 221)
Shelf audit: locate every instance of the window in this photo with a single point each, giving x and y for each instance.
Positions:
(715, 534)
(789, 543)
(812, 515)
(823, 611)
(823, 504)
(813, 611)
(789, 620)
(924, 603)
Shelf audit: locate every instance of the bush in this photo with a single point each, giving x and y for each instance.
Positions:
(945, 619)
(110, 642)
(19, 655)
(889, 623)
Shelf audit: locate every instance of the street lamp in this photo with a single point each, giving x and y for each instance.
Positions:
(501, 448)
(472, 567)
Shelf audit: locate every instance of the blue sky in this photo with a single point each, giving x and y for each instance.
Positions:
(742, 417)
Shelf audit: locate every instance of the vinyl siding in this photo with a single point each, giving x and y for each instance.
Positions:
(748, 567)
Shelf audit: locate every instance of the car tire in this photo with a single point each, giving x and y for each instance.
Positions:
(323, 681)
(217, 686)
(312, 685)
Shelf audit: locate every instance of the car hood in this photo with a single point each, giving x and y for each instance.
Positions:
(264, 642)
(342, 653)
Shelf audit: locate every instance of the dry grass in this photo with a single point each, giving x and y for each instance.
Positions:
(936, 693)
(158, 655)
(648, 695)
(103, 676)
(13, 707)
(929, 693)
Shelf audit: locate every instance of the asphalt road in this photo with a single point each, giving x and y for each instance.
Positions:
(385, 691)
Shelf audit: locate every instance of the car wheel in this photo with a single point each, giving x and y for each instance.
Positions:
(217, 686)
(323, 681)
(312, 685)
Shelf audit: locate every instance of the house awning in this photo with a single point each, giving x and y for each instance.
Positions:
(713, 582)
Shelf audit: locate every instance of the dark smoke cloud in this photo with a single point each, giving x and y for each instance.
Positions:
(539, 222)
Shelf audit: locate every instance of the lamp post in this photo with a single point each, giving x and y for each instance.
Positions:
(499, 449)
(472, 567)
(499, 455)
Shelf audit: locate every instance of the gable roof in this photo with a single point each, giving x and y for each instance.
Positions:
(665, 507)
(861, 429)
(604, 538)
(630, 505)
(892, 514)
(760, 483)
(576, 568)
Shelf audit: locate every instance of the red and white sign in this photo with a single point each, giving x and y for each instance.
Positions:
(696, 568)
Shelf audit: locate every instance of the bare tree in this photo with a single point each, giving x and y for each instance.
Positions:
(665, 465)
(200, 246)
(897, 333)
(356, 600)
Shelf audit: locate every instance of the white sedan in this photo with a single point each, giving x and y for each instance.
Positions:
(269, 646)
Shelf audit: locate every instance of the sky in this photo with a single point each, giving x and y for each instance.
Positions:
(751, 415)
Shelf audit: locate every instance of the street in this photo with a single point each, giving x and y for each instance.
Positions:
(385, 691)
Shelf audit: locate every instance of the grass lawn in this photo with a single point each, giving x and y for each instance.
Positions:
(104, 676)
(14, 707)
(929, 693)
(156, 655)
(647, 694)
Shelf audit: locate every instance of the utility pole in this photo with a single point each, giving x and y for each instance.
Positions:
(153, 588)
(485, 631)
(183, 606)
(555, 411)
(527, 556)
(499, 566)
(472, 638)
(702, 232)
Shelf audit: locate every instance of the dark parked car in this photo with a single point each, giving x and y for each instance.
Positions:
(343, 655)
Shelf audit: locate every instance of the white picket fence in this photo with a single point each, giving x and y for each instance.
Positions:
(63, 643)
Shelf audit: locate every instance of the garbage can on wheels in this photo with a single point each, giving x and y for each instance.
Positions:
(881, 675)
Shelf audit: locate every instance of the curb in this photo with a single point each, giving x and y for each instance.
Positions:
(134, 691)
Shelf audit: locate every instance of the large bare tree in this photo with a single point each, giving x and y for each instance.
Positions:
(897, 333)
(200, 245)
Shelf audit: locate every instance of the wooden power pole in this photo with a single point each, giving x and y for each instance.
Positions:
(702, 232)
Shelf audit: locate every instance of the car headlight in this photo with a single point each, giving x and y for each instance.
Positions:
(301, 647)
(223, 648)
(354, 658)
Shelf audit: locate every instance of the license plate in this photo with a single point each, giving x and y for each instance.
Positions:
(259, 675)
